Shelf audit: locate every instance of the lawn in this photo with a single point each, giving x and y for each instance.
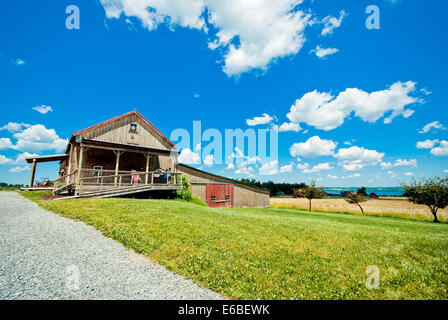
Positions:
(275, 253)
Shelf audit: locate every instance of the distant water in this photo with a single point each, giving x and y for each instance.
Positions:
(384, 191)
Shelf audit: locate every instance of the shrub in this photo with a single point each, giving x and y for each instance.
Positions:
(60, 185)
(187, 195)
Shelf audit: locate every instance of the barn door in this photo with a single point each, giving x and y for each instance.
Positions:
(219, 195)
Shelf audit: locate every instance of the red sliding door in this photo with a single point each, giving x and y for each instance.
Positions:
(220, 195)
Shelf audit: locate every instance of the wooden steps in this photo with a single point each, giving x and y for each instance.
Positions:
(109, 193)
(62, 189)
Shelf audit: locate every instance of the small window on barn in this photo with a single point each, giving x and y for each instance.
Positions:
(133, 127)
(227, 197)
(97, 171)
(213, 198)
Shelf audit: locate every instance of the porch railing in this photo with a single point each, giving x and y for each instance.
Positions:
(65, 180)
(127, 180)
(89, 173)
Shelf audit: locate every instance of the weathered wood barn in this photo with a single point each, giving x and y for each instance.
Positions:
(127, 155)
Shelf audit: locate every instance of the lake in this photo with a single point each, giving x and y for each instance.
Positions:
(381, 191)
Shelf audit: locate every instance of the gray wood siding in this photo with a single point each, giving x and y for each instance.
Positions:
(118, 132)
(244, 196)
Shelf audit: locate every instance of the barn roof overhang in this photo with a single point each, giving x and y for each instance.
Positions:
(50, 158)
(225, 180)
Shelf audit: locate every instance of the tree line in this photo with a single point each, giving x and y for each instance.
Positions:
(274, 188)
(8, 186)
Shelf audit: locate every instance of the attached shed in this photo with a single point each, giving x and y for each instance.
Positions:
(222, 192)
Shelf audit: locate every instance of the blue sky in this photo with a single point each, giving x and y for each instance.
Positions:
(226, 62)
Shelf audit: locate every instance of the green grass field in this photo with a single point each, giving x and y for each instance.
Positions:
(275, 253)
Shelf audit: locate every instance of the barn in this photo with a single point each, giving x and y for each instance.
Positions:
(128, 155)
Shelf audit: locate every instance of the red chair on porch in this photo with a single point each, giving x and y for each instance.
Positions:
(136, 178)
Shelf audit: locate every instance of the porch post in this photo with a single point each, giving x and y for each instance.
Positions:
(117, 166)
(148, 157)
(81, 156)
(69, 170)
(33, 173)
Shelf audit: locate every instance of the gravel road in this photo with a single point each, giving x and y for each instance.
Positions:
(45, 256)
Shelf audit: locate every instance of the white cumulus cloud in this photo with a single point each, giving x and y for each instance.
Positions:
(4, 160)
(438, 148)
(356, 158)
(295, 127)
(405, 163)
(399, 163)
(264, 119)
(427, 144)
(245, 170)
(249, 34)
(189, 157)
(441, 150)
(14, 126)
(269, 168)
(313, 147)
(303, 166)
(286, 168)
(19, 62)
(332, 23)
(432, 125)
(21, 158)
(208, 161)
(392, 174)
(43, 109)
(32, 138)
(19, 169)
(318, 168)
(38, 138)
(322, 53)
(326, 112)
(5, 143)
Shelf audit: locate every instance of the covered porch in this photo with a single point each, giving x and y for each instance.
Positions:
(101, 169)
(34, 161)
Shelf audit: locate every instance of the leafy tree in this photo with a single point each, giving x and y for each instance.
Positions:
(362, 191)
(432, 192)
(311, 192)
(355, 198)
